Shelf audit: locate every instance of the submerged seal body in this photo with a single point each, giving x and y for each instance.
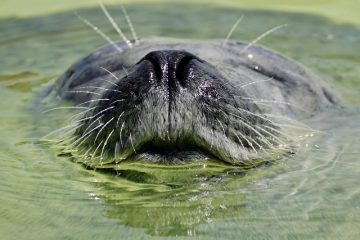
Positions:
(174, 101)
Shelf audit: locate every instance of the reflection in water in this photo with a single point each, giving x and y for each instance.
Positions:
(311, 195)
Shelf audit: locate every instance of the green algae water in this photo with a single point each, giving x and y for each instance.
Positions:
(313, 194)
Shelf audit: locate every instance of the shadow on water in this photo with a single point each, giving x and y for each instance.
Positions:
(167, 201)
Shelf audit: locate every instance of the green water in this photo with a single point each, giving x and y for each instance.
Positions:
(313, 194)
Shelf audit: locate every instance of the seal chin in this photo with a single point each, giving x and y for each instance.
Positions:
(173, 107)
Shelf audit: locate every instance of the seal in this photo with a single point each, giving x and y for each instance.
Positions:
(174, 101)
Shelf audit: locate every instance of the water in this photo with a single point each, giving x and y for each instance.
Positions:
(313, 194)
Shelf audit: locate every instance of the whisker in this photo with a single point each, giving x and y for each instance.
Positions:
(101, 88)
(58, 130)
(107, 123)
(89, 92)
(101, 33)
(106, 141)
(60, 108)
(97, 148)
(262, 36)
(120, 100)
(92, 123)
(91, 101)
(232, 30)
(128, 20)
(251, 83)
(114, 24)
(112, 74)
(132, 143)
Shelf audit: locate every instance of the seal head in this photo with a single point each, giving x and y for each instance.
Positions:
(174, 102)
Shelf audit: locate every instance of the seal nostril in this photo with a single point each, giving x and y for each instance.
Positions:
(181, 69)
(156, 66)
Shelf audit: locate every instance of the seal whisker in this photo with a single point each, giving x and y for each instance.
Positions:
(75, 116)
(101, 88)
(58, 130)
(280, 132)
(242, 145)
(128, 20)
(119, 100)
(116, 149)
(232, 30)
(93, 122)
(117, 121)
(112, 74)
(248, 141)
(97, 114)
(89, 92)
(102, 129)
(269, 133)
(132, 143)
(252, 83)
(106, 141)
(262, 36)
(61, 108)
(253, 129)
(121, 129)
(101, 33)
(114, 24)
(96, 149)
(85, 136)
(94, 100)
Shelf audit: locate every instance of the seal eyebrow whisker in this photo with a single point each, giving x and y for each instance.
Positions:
(106, 141)
(101, 33)
(128, 20)
(112, 74)
(102, 129)
(114, 24)
(262, 36)
(232, 30)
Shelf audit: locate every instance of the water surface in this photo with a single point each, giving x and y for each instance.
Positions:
(313, 194)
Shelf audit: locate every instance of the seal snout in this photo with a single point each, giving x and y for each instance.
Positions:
(172, 106)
